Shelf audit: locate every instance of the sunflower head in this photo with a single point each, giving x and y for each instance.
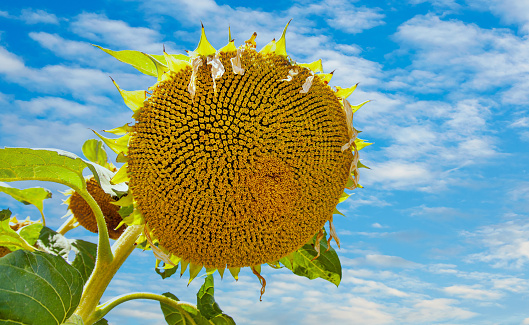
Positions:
(238, 157)
(84, 214)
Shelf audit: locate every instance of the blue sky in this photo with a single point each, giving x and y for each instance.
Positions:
(439, 234)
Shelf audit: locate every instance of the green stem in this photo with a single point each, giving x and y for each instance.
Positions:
(104, 252)
(103, 309)
(67, 225)
(104, 272)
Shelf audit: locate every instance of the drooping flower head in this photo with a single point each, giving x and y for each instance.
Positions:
(84, 214)
(238, 157)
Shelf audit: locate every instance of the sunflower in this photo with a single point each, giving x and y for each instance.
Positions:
(84, 214)
(238, 157)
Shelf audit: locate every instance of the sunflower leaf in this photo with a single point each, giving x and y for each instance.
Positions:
(208, 307)
(53, 165)
(24, 238)
(37, 288)
(85, 257)
(327, 266)
(179, 316)
(94, 151)
(56, 244)
(34, 196)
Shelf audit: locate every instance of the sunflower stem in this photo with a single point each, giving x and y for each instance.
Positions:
(104, 272)
(67, 226)
(103, 309)
(104, 252)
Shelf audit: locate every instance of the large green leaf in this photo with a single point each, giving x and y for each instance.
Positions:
(54, 243)
(94, 151)
(27, 196)
(23, 238)
(327, 266)
(57, 244)
(37, 288)
(182, 316)
(85, 257)
(208, 307)
(19, 164)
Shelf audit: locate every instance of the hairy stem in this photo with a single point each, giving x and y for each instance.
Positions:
(104, 272)
(104, 252)
(103, 309)
(67, 225)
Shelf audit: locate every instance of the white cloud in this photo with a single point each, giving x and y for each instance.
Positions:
(354, 20)
(459, 55)
(437, 213)
(525, 321)
(472, 292)
(436, 309)
(10, 63)
(398, 175)
(506, 244)
(520, 123)
(451, 4)
(81, 52)
(384, 261)
(90, 85)
(102, 30)
(30, 16)
(374, 288)
(510, 11)
(17, 132)
(54, 107)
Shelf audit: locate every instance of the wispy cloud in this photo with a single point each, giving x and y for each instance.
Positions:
(506, 244)
(30, 16)
(100, 29)
(472, 292)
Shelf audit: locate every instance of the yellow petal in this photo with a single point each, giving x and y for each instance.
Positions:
(119, 145)
(121, 176)
(356, 107)
(344, 196)
(281, 46)
(183, 267)
(230, 47)
(204, 47)
(269, 48)
(133, 99)
(221, 272)
(344, 92)
(120, 130)
(161, 69)
(175, 64)
(235, 272)
(193, 271)
(315, 66)
(325, 77)
(124, 201)
(251, 42)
